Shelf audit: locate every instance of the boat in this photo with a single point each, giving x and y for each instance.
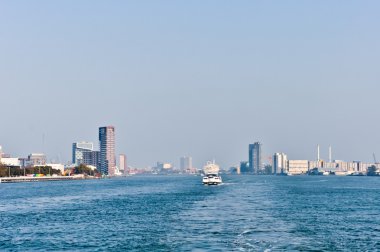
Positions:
(211, 174)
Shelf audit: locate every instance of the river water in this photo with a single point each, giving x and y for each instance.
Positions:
(178, 213)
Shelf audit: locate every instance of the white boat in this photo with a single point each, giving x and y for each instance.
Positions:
(212, 179)
(211, 171)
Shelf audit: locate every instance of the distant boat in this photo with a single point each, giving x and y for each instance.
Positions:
(356, 174)
(211, 171)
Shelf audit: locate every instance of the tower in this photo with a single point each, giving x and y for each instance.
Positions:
(107, 157)
(318, 154)
(330, 154)
(254, 155)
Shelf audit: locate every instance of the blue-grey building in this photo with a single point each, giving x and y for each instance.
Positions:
(254, 155)
(107, 158)
(83, 153)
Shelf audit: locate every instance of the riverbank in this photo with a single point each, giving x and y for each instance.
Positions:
(40, 179)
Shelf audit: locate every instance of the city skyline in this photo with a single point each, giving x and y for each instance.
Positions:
(191, 78)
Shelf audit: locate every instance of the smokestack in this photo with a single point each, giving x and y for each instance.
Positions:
(318, 157)
(330, 154)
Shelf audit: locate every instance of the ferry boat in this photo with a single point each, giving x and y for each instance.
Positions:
(211, 171)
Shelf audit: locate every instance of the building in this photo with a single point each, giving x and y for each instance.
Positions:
(163, 166)
(280, 163)
(123, 164)
(298, 166)
(83, 153)
(186, 163)
(244, 167)
(36, 159)
(59, 167)
(107, 159)
(254, 154)
(10, 161)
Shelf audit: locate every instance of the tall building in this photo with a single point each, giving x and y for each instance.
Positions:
(280, 163)
(79, 150)
(254, 154)
(107, 159)
(123, 164)
(186, 163)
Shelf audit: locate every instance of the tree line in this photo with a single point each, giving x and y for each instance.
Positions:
(14, 171)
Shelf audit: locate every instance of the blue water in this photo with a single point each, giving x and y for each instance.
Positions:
(178, 213)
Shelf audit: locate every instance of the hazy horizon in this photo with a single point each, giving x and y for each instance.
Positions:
(200, 78)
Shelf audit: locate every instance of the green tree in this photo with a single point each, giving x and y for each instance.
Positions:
(84, 169)
(3, 170)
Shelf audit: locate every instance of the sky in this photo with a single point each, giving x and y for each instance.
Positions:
(191, 78)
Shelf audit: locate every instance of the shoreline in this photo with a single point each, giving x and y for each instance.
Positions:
(41, 179)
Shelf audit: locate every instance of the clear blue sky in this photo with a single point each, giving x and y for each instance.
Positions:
(199, 78)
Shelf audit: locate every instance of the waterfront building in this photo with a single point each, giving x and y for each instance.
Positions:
(123, 164)
(244, 167)
(10, 161)
(280, 163)
(37, 159)
(298, 166)
(254, 155)
(83, 153)
(162, 167)
(107, 159)
(59, 167)
(235, 169)
(186, 163)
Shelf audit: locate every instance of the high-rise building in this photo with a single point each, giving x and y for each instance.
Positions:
(91, 158)
(254, 154)
(186, 163)
(123, 164)
(107, 159)
(79, 150)
(280, 163)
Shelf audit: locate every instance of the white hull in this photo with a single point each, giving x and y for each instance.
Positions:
(212, 179)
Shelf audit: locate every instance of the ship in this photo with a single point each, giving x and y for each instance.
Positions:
(211, 174)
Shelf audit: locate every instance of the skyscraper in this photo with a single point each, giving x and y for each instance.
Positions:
(186, 163)
(254, 155)
(107, 159)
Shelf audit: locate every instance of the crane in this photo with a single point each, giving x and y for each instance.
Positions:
(374, 158)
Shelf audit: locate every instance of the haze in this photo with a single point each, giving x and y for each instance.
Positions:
(198, 78)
